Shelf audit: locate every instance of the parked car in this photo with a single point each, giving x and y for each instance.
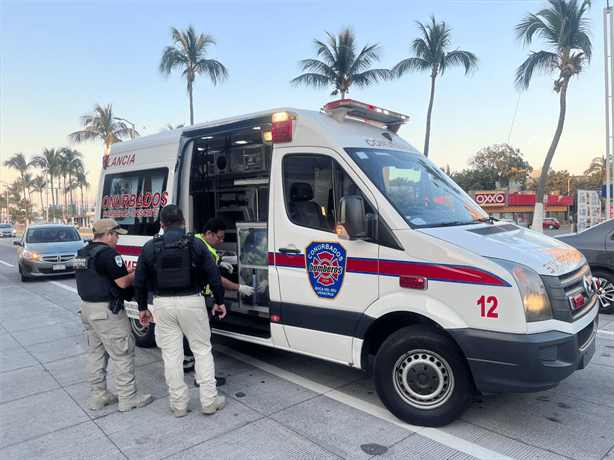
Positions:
(597, 245)
(47, 250)
(549, 223)
(7, 230)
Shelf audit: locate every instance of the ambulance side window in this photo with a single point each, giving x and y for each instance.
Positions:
(134, 200)
(313, 188)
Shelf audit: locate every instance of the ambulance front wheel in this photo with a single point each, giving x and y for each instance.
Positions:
(422, 377)
(144, 336)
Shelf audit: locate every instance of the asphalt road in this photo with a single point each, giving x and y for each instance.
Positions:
(280, 405)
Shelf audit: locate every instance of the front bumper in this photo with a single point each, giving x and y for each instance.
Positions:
(36, 269)
(515, 363)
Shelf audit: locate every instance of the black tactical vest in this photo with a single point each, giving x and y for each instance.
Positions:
(174, 270)
(91, 286)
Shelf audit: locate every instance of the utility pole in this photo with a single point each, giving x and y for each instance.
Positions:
(608, 38)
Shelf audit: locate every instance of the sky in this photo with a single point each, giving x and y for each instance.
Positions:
(59, 59)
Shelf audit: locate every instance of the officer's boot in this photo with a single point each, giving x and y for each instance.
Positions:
(101, 398)
(134, 402)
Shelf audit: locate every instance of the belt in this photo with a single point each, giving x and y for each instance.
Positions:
(191, 295)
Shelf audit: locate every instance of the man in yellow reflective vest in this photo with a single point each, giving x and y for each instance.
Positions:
(213, 235)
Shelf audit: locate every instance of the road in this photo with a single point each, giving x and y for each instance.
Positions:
(281, 405)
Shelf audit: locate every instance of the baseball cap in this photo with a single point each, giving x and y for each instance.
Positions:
(108, 225)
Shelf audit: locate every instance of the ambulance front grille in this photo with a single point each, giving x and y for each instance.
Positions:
(560, 288)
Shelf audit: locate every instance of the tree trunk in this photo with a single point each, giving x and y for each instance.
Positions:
(191, 103)
(538, 217)
(428, 117)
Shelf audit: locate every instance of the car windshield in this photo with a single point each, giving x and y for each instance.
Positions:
(419, 191)
(52, 235)
(6, 226)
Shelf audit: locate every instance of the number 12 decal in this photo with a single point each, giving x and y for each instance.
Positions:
(492, 302)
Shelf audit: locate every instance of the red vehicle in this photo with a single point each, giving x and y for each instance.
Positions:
(550, 223)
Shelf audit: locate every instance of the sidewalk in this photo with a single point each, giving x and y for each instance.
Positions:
(45, 399)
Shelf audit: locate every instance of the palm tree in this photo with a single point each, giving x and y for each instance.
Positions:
(566, 32)
(170, 127)
(39, 184)
(341, 66)
(189, 53)
(598, 167)
(19, 163)
(71, 162)
(102, 125)
(27, 183)
(50, 162)
(431, 55)
(81, 180)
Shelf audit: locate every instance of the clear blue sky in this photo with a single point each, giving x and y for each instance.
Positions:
(60, 59)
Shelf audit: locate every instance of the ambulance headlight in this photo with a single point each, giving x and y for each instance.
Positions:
(532, 291)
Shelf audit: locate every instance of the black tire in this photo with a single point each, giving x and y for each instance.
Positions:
(24, 279)
(144, 336)
(606, 291)
(550, 227)
(422, 377)
(530, 226)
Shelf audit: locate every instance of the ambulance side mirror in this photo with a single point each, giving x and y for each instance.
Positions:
(352, 217)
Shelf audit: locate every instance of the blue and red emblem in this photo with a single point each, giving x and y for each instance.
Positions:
(325, 268)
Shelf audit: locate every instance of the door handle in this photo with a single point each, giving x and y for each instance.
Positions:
(289, 251)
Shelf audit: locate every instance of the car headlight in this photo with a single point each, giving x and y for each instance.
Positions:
(532, 291)
(30, 255)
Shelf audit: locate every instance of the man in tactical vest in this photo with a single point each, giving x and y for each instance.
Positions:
(176, 267)
(101, 276)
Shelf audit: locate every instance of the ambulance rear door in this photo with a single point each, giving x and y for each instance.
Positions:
(325, 283)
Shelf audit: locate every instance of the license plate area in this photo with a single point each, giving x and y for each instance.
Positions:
(59, 267)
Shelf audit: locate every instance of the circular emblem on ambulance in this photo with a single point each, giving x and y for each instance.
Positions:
(325, 268)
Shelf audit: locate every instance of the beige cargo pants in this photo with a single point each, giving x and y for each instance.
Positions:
(109, 335)
(176, 317)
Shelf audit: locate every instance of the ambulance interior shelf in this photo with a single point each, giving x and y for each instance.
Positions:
(250, 267)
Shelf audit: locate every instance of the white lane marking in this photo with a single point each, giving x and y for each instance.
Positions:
(63, 286)
(601, 331)
(379, 412)
(6, 263)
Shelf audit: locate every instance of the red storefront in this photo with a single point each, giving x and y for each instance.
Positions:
(520, 207)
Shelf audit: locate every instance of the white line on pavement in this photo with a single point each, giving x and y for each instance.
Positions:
(63, 286)
(6, 263)
(379, 412)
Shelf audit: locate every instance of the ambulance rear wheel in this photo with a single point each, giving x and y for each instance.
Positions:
(422, 377)
(144, 336)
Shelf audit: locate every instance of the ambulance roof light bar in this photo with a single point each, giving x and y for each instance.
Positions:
(349, 107)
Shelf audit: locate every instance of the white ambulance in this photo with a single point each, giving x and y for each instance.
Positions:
(358, 246)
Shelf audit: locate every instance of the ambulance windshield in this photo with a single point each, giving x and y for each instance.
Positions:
(420, 192)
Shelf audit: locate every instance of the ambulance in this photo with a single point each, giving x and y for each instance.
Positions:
(362, 252)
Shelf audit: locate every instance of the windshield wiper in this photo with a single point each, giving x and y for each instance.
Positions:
(455, 223)
(489, 220)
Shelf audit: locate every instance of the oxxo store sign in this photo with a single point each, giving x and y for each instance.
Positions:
(490, 198)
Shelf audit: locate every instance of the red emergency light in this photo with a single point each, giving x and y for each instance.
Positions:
(577, 301)
(281, 129)
(365, 112)
(413, 282)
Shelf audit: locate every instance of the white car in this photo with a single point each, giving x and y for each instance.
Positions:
(7, 230)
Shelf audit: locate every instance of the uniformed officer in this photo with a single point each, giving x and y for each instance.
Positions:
(176, 267)
(101, 273)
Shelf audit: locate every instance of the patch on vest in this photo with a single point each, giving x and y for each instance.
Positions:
(325, 268)
(119, 261)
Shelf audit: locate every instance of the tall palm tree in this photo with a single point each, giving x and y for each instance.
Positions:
(340, 65)
(50, 162)
(431, 54)
(101, 124)
(565, 30)
(189, 53)
(39, 184)
(81, 180)
(71, 162)
(27, 183)
(19, 163)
